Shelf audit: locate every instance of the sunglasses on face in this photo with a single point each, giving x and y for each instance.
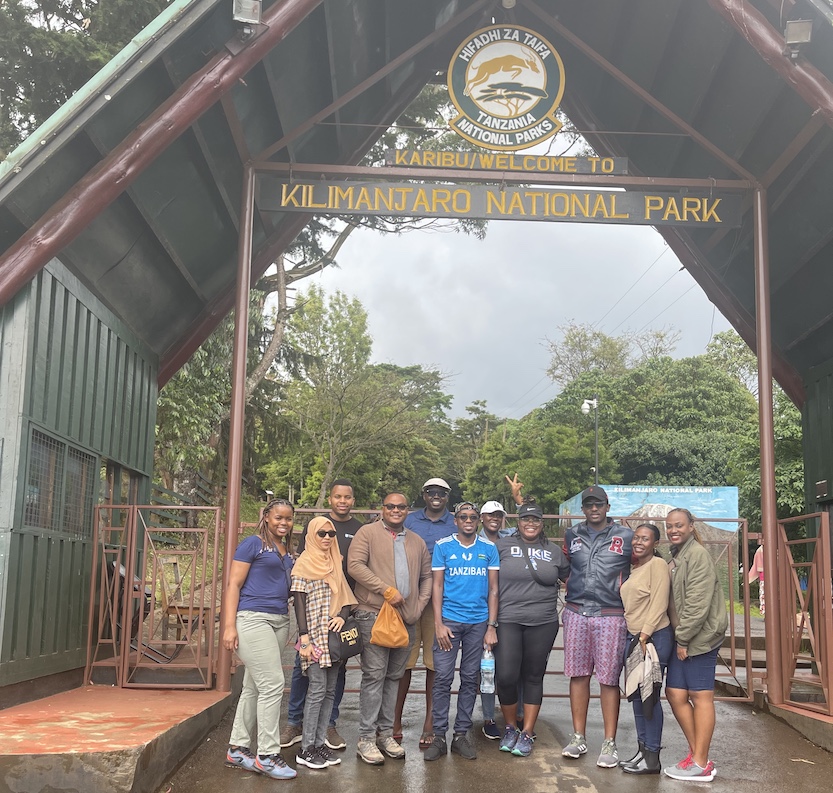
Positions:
(396, 507)
(325, 533)
(436, 493)
(468, 518)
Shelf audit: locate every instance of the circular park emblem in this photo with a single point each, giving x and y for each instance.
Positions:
(507, 82)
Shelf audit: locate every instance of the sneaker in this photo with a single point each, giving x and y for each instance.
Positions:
(461, 745)
(326, 754)
(367, 750)
(520, 723)
(437, 749)
(692, 772)
(510, 738)
(390, 747)
(275, 766)
(576, 747)
(490, 730)
(240, 757)
(609, 756)
(290, 734)
(524, 745)
(334, 740)
(311, 759)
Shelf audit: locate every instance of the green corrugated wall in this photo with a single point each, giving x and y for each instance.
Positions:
(70, 370)
(817, 420)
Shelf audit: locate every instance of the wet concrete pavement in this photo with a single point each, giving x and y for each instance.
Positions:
(754, 753)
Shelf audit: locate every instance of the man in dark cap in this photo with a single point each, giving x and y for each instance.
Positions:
(599, 551)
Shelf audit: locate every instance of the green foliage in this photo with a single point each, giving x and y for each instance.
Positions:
(50, 48)
(342, 404)
(584, 349)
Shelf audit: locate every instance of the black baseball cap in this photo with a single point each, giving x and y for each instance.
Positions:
(594, 493)
(530, 510)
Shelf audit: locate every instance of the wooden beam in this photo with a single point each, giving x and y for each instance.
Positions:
(93, 193)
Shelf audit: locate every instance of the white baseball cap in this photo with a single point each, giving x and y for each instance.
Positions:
(437, 482)
(492, 506)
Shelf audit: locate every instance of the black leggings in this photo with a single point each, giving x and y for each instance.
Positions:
(521, 655)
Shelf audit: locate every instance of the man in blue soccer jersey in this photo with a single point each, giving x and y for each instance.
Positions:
(465, 569)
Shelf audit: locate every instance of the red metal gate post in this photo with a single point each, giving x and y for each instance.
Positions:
(769, 513)
(238, 406)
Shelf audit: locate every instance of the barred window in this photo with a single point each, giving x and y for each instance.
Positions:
(60, 486)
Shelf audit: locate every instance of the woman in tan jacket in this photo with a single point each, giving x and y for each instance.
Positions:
(645, 597)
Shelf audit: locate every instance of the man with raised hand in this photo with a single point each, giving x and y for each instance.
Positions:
(341, 502)
(599, 551)
(432, 523)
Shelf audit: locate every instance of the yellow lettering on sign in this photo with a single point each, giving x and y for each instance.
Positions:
(534, 195)
(440, 197)
(653, 203)
(496, 201)
(710, 212)
(613, 212)
(570, 164)
(599, 206)
(421, 201)
(582, 203)
(430, 158)
(671, 209)
(310, 201)
(402, 198)
(363, 200)
(464, 206)
(691, 206)
(343, 194)
(402, 157)
(384, 197)
(446, 159)
(501, 162)
(487, 161)
(516, 205)
(288, 198)
(559, 205)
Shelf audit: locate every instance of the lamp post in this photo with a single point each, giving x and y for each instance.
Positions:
(586, 407)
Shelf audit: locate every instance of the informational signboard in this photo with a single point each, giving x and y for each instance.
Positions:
(711, 210)
(652, 503)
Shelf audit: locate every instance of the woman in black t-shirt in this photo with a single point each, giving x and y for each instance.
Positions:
(530, 569)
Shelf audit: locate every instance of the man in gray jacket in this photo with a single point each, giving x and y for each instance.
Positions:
(387, 562)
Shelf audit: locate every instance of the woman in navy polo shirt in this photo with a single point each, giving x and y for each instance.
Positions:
(257, 627)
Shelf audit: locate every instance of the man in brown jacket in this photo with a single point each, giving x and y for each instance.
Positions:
(386, 558)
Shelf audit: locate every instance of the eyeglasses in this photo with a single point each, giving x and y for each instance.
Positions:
(436, 492)
(468, 518)
(530, 519)
(396, 507)
(324, 533)
(593, 505)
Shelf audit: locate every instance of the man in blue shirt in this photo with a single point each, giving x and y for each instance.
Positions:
(465, 602)
(432, 523)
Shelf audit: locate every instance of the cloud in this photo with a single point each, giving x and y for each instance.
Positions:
(480, 311)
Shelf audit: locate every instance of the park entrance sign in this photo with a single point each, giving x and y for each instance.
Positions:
(506, 83)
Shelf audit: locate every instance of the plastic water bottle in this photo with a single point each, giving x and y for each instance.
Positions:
(487, 672)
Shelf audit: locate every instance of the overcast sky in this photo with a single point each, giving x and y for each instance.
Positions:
(481, 311)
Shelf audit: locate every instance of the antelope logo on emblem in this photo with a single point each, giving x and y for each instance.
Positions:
(510, 64)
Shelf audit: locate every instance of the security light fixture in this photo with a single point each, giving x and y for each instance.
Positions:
(507, 4)
(246, 11)
(797, 33)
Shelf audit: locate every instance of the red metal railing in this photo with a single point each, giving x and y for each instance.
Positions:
(153, 599)
(805, 599)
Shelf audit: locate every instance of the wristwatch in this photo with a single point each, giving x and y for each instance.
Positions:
(493, 624)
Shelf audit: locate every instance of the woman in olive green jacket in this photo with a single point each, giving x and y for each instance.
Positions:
(699, 617)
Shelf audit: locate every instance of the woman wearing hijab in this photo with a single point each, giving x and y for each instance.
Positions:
(645, 597)
(322, 603)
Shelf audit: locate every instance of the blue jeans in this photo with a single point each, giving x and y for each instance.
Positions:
(298, 694)
(649, 731)
(468, 642)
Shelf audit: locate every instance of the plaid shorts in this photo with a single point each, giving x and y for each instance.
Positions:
(593, 643)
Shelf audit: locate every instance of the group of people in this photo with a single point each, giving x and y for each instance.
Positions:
(463, 582)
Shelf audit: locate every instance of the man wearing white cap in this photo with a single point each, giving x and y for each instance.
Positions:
(432, 523)
(493, 521)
